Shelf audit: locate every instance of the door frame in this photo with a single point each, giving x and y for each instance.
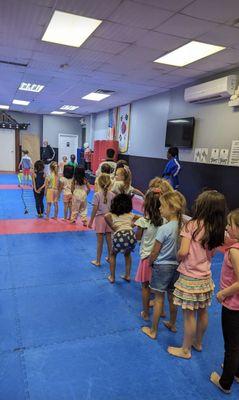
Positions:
(62, 135)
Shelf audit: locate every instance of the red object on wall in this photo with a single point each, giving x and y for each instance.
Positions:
(100, 148)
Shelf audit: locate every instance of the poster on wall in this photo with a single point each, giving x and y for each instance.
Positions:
(224, 154)
(204, 155)
(197, 155)
(123, 127)
(234, 155)
(215, 156)
(112, 125)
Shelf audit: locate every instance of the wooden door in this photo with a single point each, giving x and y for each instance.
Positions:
(32, 144)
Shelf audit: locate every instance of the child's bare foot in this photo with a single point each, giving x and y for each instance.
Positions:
(215, 378)
(95, 263)
(197, 346)
(151, 303)
(111, 279)
(84, 223)
(125, 277)
(144, 315)
(107, 259)
(179, 352)
(72, 221)
(148, 331)
(170, 326)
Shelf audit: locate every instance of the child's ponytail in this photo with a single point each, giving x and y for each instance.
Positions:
(104, 183)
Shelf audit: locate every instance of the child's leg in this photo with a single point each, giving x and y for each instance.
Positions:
(74, 210)
(41, 202)
(100, 239)
(145, 300)
(158, 308)
(171, 324)
(190, 325)
(128, 262)
(109, 245)
(65, 210)
(55, 210)
(48, 210)
(83, 213)
(36, 196)
(111, 277)
(202, 323)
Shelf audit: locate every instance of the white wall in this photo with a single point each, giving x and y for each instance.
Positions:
(216, 124)
(53, 125)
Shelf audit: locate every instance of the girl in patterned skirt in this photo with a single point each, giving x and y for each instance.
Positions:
(194, 288)
(120, 220)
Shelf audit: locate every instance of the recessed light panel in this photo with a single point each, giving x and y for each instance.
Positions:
(58, 112)
(69, 108)
(69, 29)
(189, 53)
(31, 87)
(20, 102)
(95, 96)
(4, 107)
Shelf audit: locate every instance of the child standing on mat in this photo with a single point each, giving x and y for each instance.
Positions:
(26, 165)
(228, 296)
(194, 288)
(52, 190)
(101, 206)
(38, 181)
(62, 164)
(147, 227)
(80, 190)
(120, 220)
(163, 259)
(122, 182)
(66, 186)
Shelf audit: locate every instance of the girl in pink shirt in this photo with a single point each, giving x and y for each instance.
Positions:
(194, 288)
(101, 206)
(228, 296)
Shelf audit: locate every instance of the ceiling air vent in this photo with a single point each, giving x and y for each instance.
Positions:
(102, 91)
(13, 63)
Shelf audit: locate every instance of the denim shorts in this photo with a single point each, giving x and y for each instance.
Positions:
(164, 277)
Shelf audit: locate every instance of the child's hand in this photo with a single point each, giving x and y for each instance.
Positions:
(220, 296)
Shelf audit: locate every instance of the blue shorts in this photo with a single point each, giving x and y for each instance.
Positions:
(164, 277)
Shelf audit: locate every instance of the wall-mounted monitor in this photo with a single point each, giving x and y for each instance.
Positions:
(180, 132)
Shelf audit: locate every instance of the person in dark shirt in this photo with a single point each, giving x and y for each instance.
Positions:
(48, 155)
(38, 181)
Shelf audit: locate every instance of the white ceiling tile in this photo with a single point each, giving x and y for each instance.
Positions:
(139, 15)
(160, 41)
(187, 73)
(185, 26)
(213, 63)
(213, 10)
(222, 35)
(122, 33)
(90, 8)
(172, 5)
(104, 45)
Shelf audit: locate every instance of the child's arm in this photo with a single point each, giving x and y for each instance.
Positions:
(155, 252)
(92, 217)
(46, 184)
(88, 186)
(139, 233)
(34, 182)
(184, 248)
(20, 164)
(234, 288)
(109, 221)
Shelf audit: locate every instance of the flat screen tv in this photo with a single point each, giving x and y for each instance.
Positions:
(180, 132)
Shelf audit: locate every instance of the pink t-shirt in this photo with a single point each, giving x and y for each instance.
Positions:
(228, 277)
(197, 264)
(98, 200)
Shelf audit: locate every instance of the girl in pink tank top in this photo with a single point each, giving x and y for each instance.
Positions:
(228, 296)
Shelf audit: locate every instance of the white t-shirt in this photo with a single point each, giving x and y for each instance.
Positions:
(148, 237)
(118, 187)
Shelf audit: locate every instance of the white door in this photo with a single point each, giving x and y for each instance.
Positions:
(7, 150)
(67, 145)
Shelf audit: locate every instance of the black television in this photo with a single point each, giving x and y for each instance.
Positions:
(180, 132)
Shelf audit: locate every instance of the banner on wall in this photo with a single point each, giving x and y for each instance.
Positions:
(112, 125)
(123, 127)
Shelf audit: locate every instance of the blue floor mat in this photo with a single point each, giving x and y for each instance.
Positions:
(12, 377)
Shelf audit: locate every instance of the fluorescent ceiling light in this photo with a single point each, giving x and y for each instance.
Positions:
(31, 87)
(95, 96)
(4, 107)
(20, 102)
(69, 108)
(58, 112)
(189, 53)
(69, 29)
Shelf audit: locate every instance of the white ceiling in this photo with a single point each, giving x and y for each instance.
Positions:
(118, 56)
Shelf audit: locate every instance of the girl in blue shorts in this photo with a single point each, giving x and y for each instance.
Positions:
(163, 260)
